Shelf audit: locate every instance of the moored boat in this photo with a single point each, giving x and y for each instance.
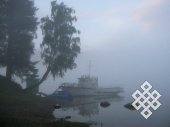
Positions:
(86, 86)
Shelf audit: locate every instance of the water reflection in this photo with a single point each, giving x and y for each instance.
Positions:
(108, 111)
(88, 109)
(86, 106)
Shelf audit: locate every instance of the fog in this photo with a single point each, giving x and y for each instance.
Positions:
(123, 44)
(125, 66)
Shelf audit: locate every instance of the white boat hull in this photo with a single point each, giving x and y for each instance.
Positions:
(78, 91)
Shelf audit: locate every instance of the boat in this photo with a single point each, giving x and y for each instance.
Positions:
(86, 86)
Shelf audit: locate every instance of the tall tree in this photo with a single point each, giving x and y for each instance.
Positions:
(18, 26)
(60, 44)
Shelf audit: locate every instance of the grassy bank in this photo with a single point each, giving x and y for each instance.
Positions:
(21, 109)
(14, 122)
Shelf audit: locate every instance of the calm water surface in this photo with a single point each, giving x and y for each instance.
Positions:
(90, 109)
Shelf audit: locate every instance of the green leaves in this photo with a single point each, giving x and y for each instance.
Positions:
(18, 26)
(61, 43)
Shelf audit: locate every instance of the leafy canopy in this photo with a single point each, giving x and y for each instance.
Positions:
(18, 26)
(61, 44)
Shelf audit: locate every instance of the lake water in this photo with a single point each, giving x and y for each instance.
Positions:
(90, 109)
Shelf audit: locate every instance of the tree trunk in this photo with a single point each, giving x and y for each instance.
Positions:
(41, 80)
(45, 75)
(9, 72)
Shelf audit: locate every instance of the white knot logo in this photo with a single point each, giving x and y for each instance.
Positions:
(146, 99)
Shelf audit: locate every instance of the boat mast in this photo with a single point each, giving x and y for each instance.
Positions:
(89, 68)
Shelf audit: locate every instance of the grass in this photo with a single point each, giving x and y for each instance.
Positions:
(8, 122)
(21, 109)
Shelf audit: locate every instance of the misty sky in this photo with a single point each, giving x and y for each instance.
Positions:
(127, 42)
(103, 24)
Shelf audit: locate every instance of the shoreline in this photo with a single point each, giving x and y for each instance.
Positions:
(21, 109)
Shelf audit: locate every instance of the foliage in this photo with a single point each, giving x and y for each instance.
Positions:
(61, 43)
(18, 25)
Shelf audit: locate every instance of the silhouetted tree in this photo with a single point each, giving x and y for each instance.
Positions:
(60, 44)
(18, 25)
